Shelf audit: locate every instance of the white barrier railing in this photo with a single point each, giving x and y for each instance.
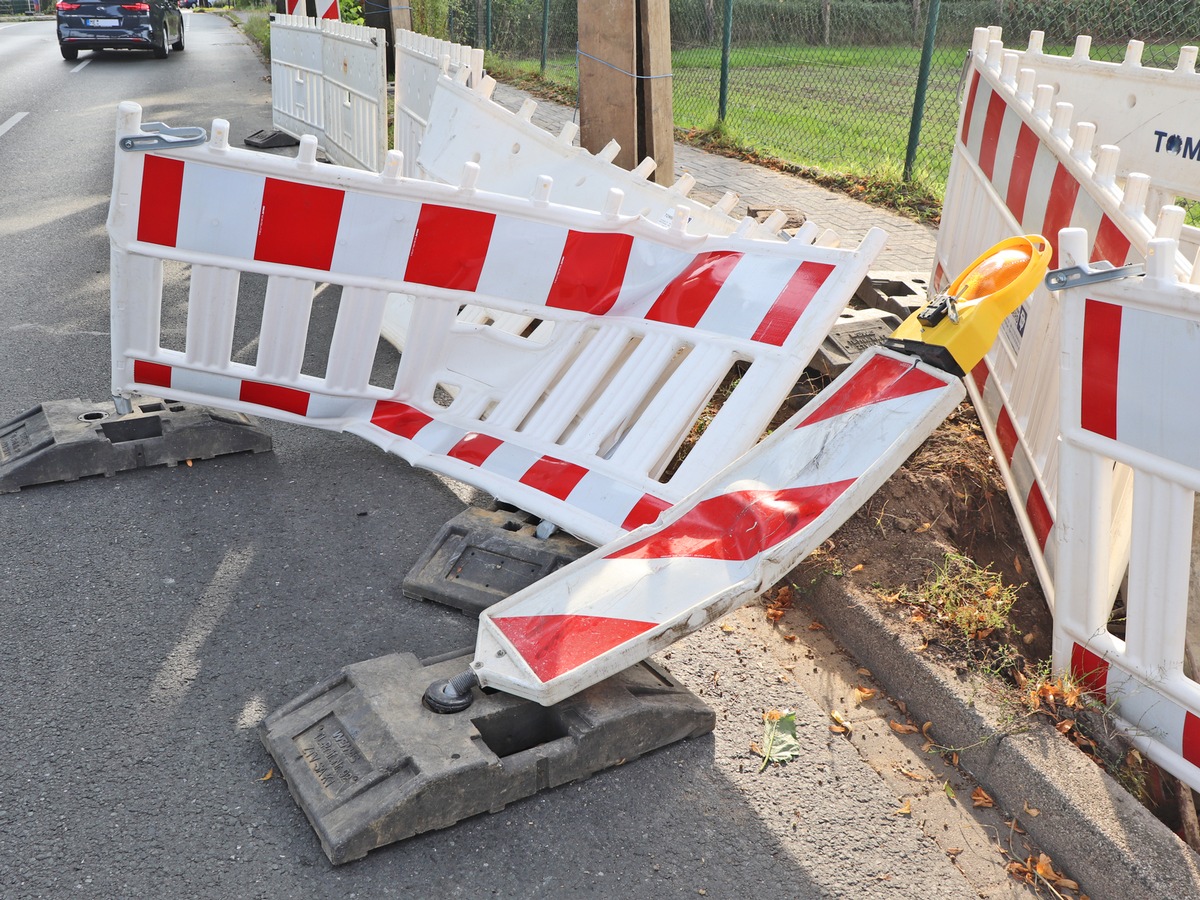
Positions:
(419, 64)
(577, 421)
(514, 156)
(1131, 359)
(465, 125)
(1023, 163)
(329, 79)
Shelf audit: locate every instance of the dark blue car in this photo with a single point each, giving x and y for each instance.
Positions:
(142, 25)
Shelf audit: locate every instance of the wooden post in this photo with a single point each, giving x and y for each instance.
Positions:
(628, 38)
(607, 95)
(656, 119)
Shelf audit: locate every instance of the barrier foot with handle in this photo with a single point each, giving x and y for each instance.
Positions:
(65, 440)
(371, 764)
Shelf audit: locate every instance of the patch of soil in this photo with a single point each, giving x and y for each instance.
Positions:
(947, 498)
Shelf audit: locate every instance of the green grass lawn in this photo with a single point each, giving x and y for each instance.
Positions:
(841, 110)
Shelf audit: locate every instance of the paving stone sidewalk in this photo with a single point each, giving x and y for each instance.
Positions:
(910, 244)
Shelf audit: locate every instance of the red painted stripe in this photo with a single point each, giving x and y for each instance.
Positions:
(399, 418)
(791, 303)
(158, 214)
(1059, 207)
(1039, 515)
(553, 645)
(1191, 738)
(1101, 354)
(275, 396)
(980, 375)
(882, 378)
(1006, 434)
(449, 247)
(474, 448)
(991, 133)
(151, 373)
(644, 512)
(590, 272)
(972, 92)
(555, 477)
(738, 525)
(1111, 245)
(1091, 671)
(298, 224)
(1022, 169)
(689, 295)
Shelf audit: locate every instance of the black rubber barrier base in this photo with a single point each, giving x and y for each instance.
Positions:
(265, 140)
(370, 765)
(65, 440)
(482, 556)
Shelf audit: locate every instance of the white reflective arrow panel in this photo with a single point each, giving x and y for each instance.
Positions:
(721, 546)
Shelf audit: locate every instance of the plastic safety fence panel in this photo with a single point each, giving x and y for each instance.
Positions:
(1146, 112)
(1025, 164)
(724, 545)
(598, 418)
(465, 126)
(1131, 361)
(354, 69)
(297, 95)
(419, 62)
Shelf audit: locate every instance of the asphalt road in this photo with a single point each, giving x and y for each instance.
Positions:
(150, 620)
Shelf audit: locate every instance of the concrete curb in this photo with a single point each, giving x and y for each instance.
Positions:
(1089, 825)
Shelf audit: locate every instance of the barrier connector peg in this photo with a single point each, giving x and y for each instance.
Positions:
(955, 329)
(451, 695)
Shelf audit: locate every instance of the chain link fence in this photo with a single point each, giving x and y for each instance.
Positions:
(829, 84)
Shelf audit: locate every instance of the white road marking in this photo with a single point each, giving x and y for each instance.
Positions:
(13, 120)
(80, 66)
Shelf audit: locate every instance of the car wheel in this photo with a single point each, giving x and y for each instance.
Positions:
(178, 45)
(69, 52)
(163, 48)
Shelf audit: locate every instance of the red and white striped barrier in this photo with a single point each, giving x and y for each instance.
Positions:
(1023, 165)
(576, 423)
(738, 534)
(420, 61)
(329, 9)
(1131, 359)
(329, 79)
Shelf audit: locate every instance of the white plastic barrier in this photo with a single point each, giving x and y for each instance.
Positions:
(465, 125)
(1131, 360)
(419, 64)
(329, 79)
(725, 544)
(515, 157)
(1025, 164)
(576, 423)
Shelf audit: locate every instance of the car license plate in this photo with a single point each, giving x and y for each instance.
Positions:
(102, 23)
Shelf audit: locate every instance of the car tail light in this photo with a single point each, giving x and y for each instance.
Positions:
(67, 7)
(136, 7)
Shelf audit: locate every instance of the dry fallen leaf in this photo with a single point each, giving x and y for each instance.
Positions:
(925, 731)
(841, 720)
(980, 798)
(189, 463)
(1020, 678)
(862, 694)
(953, 851)
(862, 671)
(900, 728)
(913, 775)
(270, 774)
(727, 628)
(1017, 564)
(815, 626)
(789, 637)
(1031, 811)
(905, 810)
(921, 529)
(857, 568)
(1015, 826)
